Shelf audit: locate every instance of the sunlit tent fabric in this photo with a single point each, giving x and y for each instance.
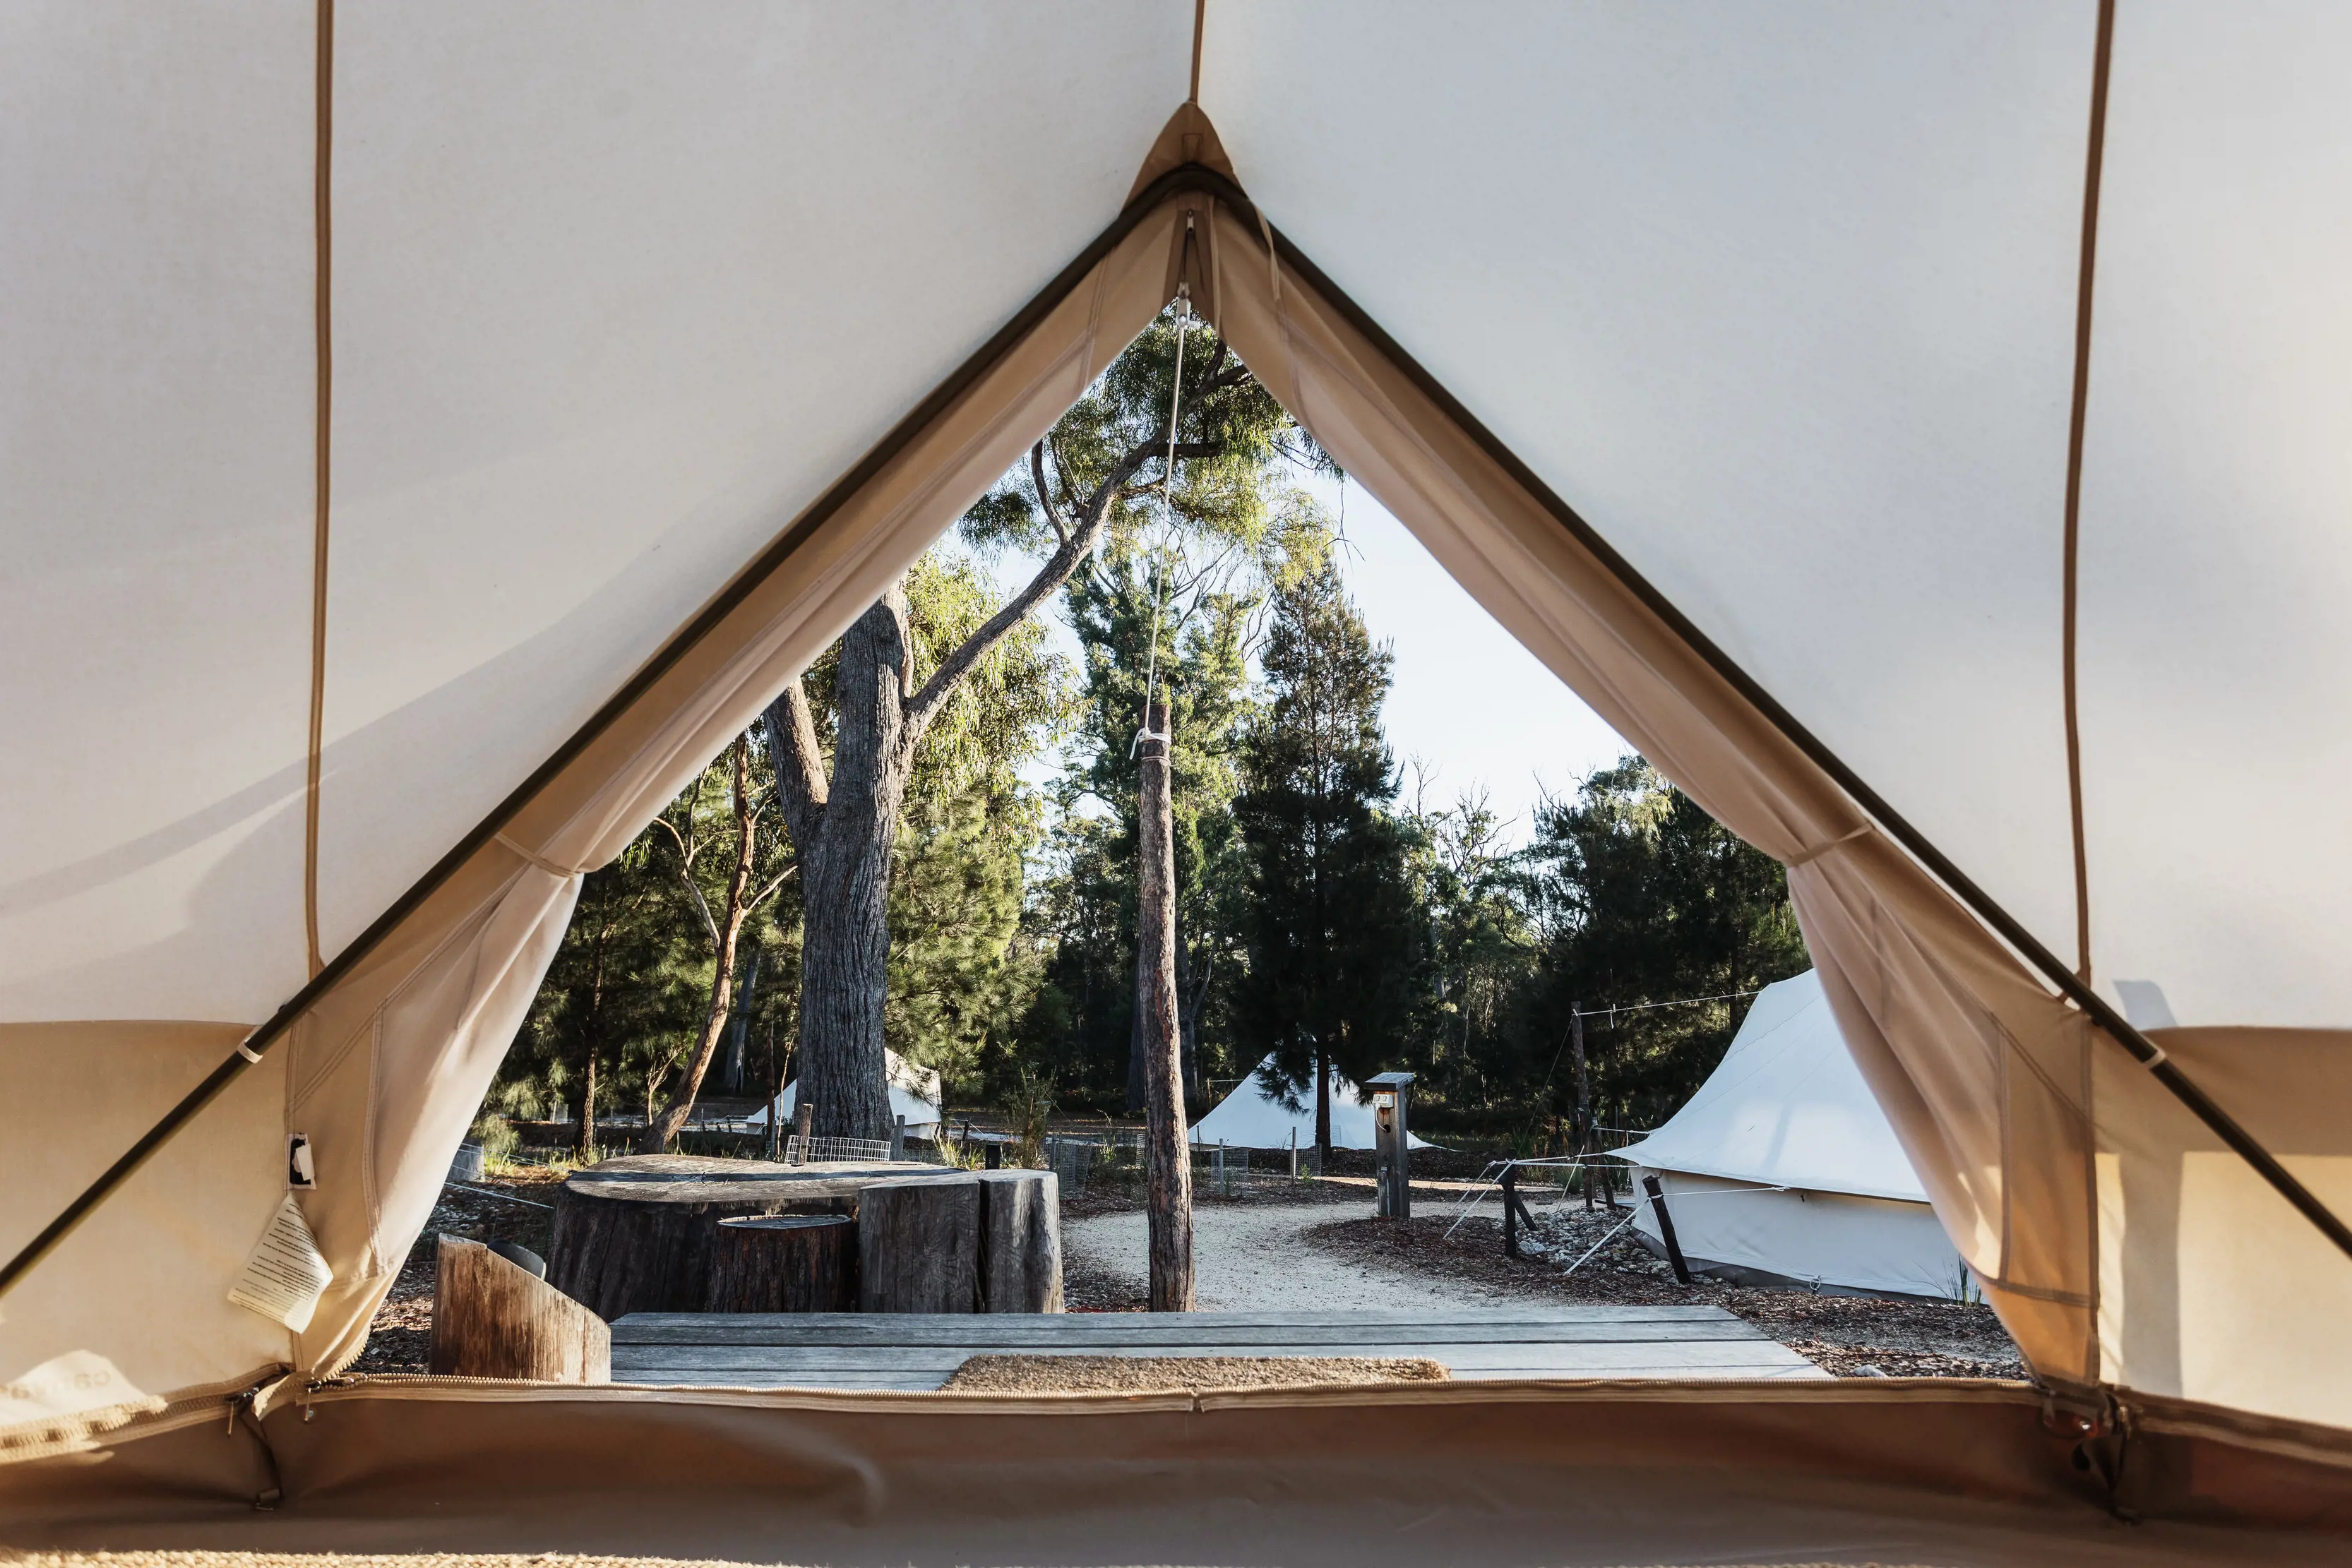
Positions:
(427, 441)
(1265, 1110)
(1782, 1169)
(914, 1095)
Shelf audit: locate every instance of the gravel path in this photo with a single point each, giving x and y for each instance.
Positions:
(1250, 1256)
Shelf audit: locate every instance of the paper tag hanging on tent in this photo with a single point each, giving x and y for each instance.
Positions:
(286, 1273)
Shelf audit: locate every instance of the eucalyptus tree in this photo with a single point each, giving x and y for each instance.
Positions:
(1110, 466)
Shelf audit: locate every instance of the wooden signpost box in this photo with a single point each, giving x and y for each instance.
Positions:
(1394, 1186)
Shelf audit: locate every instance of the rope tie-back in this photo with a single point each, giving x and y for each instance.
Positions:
(1809, 856)
(541, 862)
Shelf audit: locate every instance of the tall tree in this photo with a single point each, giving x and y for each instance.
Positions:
(1090, 478)
(1332, 930)
(734, 844)
(1483, 947)
(1644, 898)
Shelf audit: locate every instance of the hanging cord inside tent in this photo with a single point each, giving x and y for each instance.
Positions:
(1166, 519)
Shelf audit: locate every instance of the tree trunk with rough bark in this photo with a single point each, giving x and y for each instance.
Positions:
(1168, 1190)
(847, 828)
(845, 824)
(1322, 1107)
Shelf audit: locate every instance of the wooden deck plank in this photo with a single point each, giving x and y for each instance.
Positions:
(1171, 1339)
(927, 1382)
(729, 1359)
(851, 1328)
(913, 1351)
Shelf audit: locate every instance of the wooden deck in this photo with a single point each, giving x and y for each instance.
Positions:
(917, 1351)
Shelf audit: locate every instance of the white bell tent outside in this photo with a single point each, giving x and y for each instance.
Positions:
(1907, 429)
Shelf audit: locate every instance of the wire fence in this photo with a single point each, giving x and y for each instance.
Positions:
(797, 1152)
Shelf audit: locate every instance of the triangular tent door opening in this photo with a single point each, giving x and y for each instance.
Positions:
(437, 472)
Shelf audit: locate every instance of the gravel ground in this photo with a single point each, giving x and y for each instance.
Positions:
(1249, 1257)
(1862, 1336)
(1131, 1375)
(1333, 1257)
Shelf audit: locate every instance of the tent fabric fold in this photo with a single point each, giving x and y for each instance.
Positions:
(1988, 1080)
(383, 1075)
(1893, 1470)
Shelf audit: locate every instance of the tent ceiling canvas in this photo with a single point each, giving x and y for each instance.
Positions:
(1782, 300)
(575, 389)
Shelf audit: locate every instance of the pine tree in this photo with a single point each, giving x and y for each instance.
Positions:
(1331, 924)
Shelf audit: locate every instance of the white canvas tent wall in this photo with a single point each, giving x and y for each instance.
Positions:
(1782, 1169)
(1255, 1115)
(430, 432)
(914, 1095)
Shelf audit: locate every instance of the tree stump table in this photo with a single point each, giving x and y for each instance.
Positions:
(649, 1233)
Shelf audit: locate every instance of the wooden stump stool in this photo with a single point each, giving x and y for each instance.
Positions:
(496, 1319)
(783, 1263)
(1020, 1241)
(919, 1246)
(635, 1234)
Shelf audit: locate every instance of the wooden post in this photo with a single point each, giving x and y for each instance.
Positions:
(1169, 1183)
(1020, 1242)
(803, 1118)
(919, 1245)
(1666, 1227)
(1294, 1154)
(496, 1319)
(1583, 1098)
(897, 1139)
(1510, 1211)
(783, 1263)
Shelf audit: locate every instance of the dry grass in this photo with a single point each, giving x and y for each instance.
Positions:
(1153, 1374)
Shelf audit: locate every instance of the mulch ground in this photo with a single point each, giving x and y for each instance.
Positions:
(1852, 1336)
(1153, 1373)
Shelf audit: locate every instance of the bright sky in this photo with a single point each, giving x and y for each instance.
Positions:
(1471, 705)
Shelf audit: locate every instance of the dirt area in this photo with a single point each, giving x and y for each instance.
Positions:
(402, 1334)
(1333, 1259)
(1135, 1374)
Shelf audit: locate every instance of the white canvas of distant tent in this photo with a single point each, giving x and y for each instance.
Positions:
(915, 1095)
(1265, 1110)
(1784, 1170)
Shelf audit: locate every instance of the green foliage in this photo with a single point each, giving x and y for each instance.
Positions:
(1482, 949)
(1316, 910)
(1332, 931)
(1645, 897)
